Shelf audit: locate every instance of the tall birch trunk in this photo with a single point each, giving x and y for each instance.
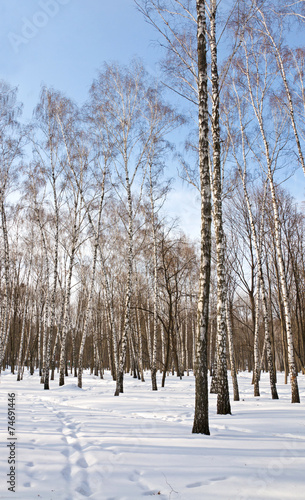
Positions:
(55, 277)
(87, 319)
(280, 62)
(91, 289)
(201, 417)
(62, 361)
(5, 324)
(295, 398)
(120, 375)
(22, 336)
(257, 240)
(223, 398)
(155, 285)
(23, 328)
(231, 351)
(257, 368)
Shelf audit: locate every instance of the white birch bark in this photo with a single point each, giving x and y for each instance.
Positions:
(87, 318)
(155, 288)
(22, 337)
(55, 276)
(53, 180)
(66, 321)
(223, 398)
(257, 370)
(126, 328)
(295, 398)
(91, 289)
(280, 62)
(201, 417)
(257, 240)
(163, 345)
(231, 351)
(148, 335)
(45, 296)
(5, 324)
(25, 310)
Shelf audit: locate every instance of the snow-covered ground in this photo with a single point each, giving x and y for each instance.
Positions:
(74, 444)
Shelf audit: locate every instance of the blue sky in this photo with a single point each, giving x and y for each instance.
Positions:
(62, 43)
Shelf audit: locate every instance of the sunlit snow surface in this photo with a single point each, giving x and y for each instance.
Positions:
(74, 444)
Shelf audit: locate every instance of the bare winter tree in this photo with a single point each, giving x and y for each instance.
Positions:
(10, 152)
(223, 399)
(240, 151)
(256, 56)
(46, 147)
(130, 113)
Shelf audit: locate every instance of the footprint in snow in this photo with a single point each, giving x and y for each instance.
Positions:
(81, 462)
(197, 485)
(66, 472)
(65, 453)
(84, 489)
(135, 476)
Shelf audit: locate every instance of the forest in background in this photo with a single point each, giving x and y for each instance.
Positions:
(93, 275)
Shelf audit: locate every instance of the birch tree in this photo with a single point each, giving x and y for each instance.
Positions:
(257, 96)
(239, 104)
(201, 417)
(273, 27)
(223, 399)
(46, 148)
(10, 152)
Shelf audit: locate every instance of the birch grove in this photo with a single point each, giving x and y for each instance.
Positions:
(94, 272)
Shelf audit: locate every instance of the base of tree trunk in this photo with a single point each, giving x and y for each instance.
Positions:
(213, 388)
(223, 404)
(119, 384)
(295, 397)
(154, 380)
(274, 393)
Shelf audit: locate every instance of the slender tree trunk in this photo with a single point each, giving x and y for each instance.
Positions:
(91, 290)
(86, 321)
(5, 324)
(295, 398)
(155, 285)
(201, 417)
(223, 398)
(62, 361)
(257, 368)
(231, 351)
(257, 239)
(22, 336)
(120, 377)
(280, 61)
(55, 276)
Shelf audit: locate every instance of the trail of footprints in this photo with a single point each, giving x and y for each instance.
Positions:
(76, 461)
(74, 471)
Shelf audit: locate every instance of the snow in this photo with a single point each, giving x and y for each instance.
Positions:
(74, 444)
